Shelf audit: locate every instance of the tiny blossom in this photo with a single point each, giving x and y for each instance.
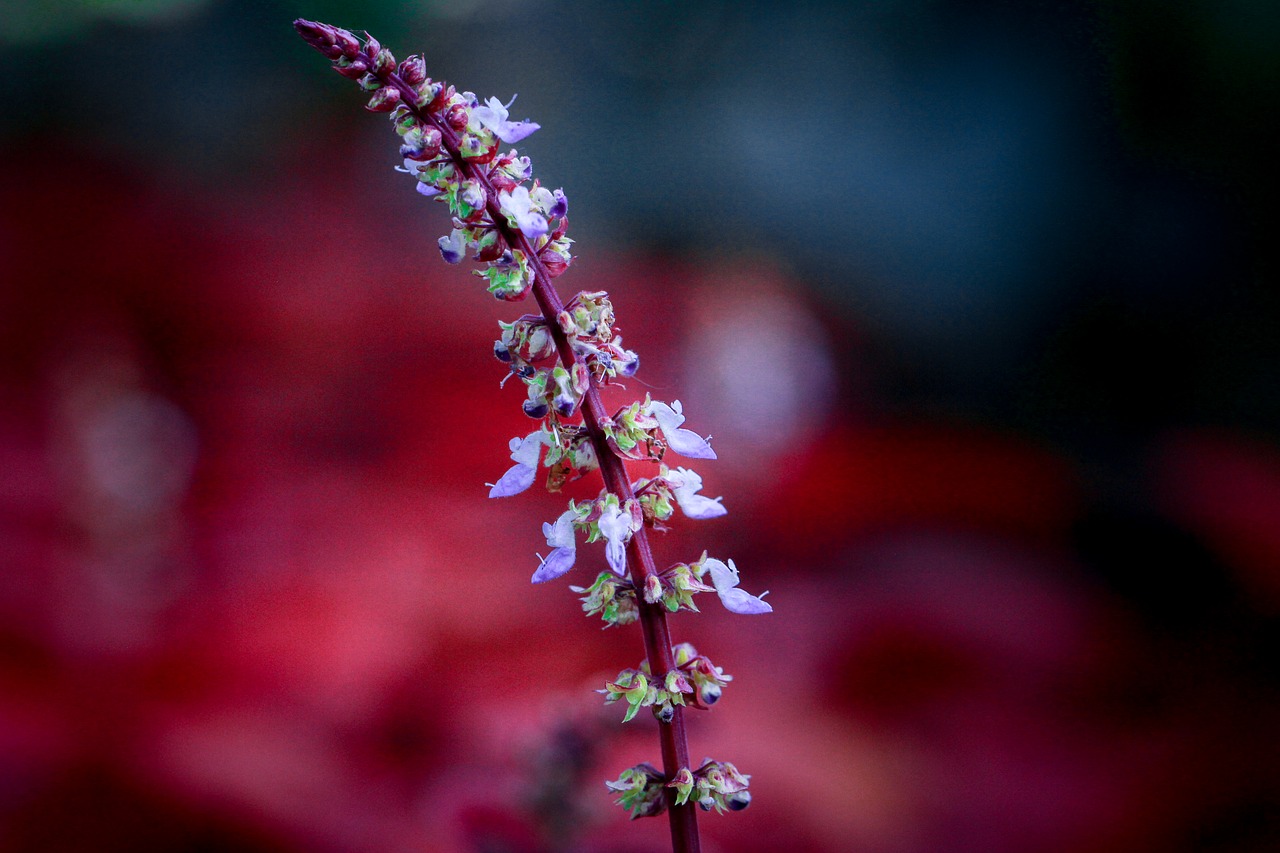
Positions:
(560, 537)
(683, 441)
(640, 791)
(616, 528)
(494, 116)
(454, 247)
(518, 206)
(524, 452)
(685, 485)
(725, 579)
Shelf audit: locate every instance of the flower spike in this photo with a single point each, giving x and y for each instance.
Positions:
(515, 230)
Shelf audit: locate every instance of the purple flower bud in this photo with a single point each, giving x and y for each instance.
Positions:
(384, 63)
(431, 140)
(413, 70)
(561, 205)
(457, 117)
(501, 353)
(314, 33)
(706, 804)
(346, 40)
(371, 46)
(665, 713)
(384, 100)
(353, 70)
(709, 694)
(565, 405)
(535, 408)
(739, 801)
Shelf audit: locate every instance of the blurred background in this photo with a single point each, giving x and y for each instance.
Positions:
(975, 298)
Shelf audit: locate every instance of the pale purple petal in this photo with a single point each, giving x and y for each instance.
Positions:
(427, 190)
(725, 579)
(685, 485)
(512, 132)
(683, 441)
(615, 527)
(527, 450)
(494, 115)
(453, 247)
(560, 534)
(525, 453)
(701, 507)
(561, 538)
(516, 480)
(519, 206)
(739, 601)
(558, 562)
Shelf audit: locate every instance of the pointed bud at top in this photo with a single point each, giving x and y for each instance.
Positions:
(371, 46)
(314, 33)
(413, 70)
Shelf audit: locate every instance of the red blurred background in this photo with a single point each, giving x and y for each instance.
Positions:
(988, 356)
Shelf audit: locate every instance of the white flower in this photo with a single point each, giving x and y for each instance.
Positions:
(494, 116)
(615, 527)
(685, 485)
(518, 206)
(725, 580)
(560, 538)
(683, 441)
(525, 452)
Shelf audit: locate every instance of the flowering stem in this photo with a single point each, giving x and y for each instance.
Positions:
(653, 617)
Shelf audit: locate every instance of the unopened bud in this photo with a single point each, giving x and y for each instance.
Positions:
(384, 100)
(384, 63)
(371, 46)
(413, 70)
(352, 69)
(664, 713)
(501, 353)
(652, 589)
(739, 801)
(709, 694)
(534, 408)
(457, 117)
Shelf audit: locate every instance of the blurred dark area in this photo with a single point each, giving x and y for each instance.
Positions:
(977, 299)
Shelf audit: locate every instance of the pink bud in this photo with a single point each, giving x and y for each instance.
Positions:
(352, 71)
(413, 70)
(457, 117)
(384, 63)
(384, 100)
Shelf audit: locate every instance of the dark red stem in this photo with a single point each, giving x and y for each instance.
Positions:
(653, 617)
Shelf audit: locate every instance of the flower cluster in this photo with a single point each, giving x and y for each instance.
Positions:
(514, 228)
(715, 785)
(695, 678)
